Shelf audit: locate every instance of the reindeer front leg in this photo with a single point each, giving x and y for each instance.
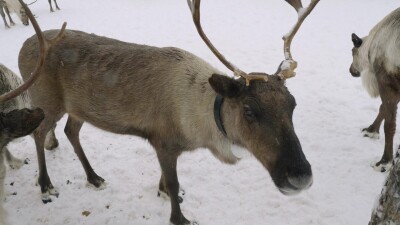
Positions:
(373, 130)
(55, 2)
(4, 17)
(169, 181)
(46, 186)
(9, 17)
(389, 103)
(162, 190)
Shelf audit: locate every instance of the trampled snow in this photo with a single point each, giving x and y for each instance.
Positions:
(332, 108)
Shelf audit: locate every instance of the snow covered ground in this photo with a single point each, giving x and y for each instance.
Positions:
(332, 107)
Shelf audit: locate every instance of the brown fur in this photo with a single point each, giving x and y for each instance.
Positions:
(165, 95)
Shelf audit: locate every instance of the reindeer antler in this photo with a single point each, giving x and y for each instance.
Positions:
(45, 45)
(287, 67)
(194, 6)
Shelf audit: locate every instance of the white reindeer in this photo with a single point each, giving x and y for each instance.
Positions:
(14, 6)
(376, 58)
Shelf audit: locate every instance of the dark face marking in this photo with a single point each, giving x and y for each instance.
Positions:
(18, 123)
(24, 17)
(262, 123)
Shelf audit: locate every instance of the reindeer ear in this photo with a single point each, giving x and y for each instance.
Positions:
(226, 86)
(356, 40)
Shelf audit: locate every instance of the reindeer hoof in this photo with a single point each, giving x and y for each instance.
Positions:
(370, 133)
(182, 221)
(97, 182)
(46, 197)
(381, 167)
(190, 223)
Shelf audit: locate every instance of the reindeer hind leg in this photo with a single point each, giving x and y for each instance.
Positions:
(72, 129)
(373, 130)
(9, 17)
(390, 98)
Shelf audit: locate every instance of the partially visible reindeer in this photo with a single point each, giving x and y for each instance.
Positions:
(172, 98)
(13, 6)
(19, 122)
(3, 11)
(14, 124)
(10, 81)
(51, 7)
(376, 58)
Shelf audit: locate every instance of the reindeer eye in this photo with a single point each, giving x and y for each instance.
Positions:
(248, 113)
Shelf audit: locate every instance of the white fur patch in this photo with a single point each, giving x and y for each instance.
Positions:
(370, 83)
(239, 152)
(382, 167)
(101, 187)
(373, 135)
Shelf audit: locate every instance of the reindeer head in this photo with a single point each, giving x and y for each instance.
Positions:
(23, 16)
(259, 109)
(358, 57)
(18, 123)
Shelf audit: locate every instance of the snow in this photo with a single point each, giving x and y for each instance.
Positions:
(332, 107)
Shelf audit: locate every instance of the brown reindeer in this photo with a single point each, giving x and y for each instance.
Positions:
(170, 97)
(20, 122)
(376, 60)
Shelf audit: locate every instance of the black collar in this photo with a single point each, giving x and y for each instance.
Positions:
(217, 113)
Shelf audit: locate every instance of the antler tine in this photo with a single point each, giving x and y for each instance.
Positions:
(194, 6)
(297, 5)
(287, 67)
(45, 45)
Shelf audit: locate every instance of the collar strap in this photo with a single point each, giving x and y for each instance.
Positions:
(217, 114)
